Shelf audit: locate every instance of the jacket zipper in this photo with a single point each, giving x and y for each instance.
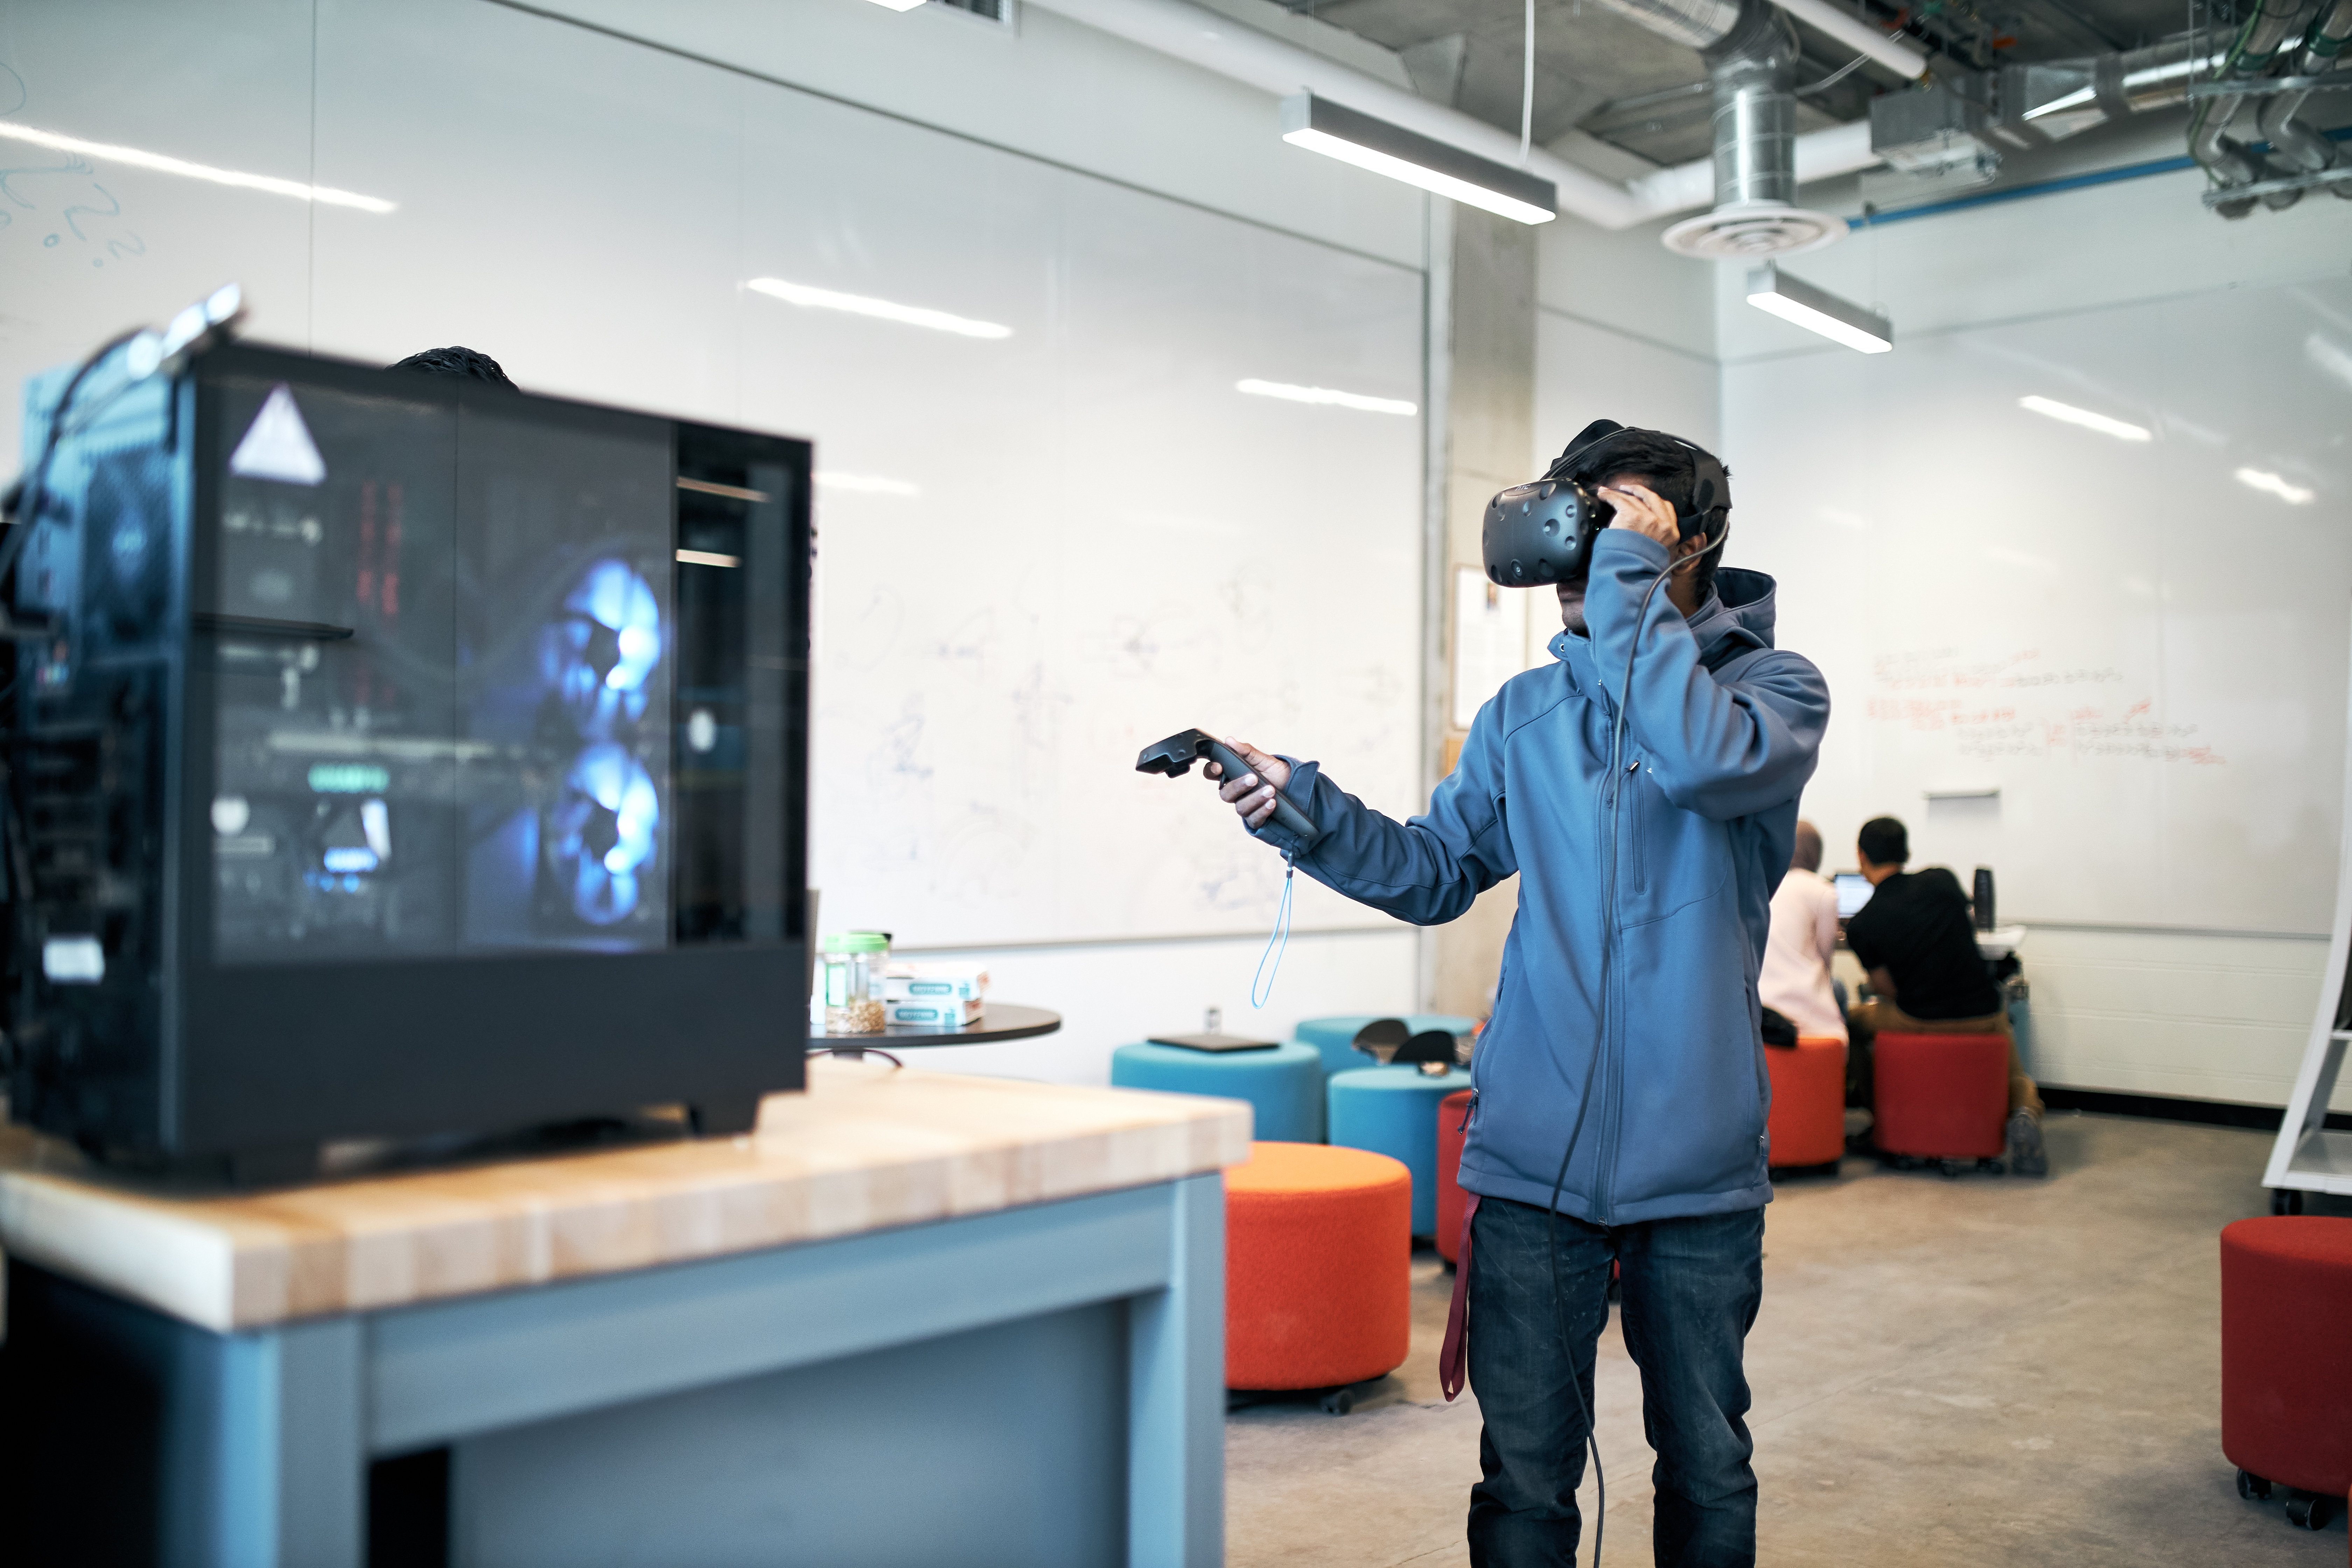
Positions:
(1641, 860)
(1605, 1186)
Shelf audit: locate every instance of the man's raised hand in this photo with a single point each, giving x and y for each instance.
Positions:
(1644, 511)
(1252, 795)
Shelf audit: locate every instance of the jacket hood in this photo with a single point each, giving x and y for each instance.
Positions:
(1741, 609)
(1741, 606)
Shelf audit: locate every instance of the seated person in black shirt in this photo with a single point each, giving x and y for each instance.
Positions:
(1918, 941)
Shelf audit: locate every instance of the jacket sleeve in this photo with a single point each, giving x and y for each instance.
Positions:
(1426, 869)
(1721, 747)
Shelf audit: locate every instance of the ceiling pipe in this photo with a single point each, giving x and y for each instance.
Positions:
(1229, 50)
(1860, 36)
(1750, 50)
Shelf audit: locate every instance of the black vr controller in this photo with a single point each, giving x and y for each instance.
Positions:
(1543, 532)
(1175, 756)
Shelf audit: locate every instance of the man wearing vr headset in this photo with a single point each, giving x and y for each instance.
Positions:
(1618, 1111)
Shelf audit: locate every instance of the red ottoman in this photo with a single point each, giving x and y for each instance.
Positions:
(1942, 1097)
(2286, 1358)
(1451, 1112)
(1318, 1266)
(1808, 1119)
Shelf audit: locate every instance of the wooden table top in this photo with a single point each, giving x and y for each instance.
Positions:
(867, 1148)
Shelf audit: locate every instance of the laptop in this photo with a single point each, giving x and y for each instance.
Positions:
(1853, 890)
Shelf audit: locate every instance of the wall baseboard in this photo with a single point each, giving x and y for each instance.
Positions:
(2171, 1108)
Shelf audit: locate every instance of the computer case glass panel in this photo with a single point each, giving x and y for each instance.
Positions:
(402, 754)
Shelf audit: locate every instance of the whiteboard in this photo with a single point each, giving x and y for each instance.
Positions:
(2142, 651)
(1038, 552)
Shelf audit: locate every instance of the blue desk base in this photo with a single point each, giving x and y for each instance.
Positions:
(1037, 1385)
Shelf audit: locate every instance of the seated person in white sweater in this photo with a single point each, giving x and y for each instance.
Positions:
(1795, 979)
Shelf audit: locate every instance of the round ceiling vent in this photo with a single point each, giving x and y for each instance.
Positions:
(1751, 231)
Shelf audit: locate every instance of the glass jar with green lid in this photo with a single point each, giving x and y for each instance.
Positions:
(850, 978)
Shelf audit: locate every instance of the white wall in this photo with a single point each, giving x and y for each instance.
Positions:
(585, 198)
(1628, 284)
(2199, 1014)
(1050, 88)
(2177, 905)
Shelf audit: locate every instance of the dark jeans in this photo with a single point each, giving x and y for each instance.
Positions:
(1691, 1288)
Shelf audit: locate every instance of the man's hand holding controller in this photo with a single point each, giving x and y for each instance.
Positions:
(1252, 795)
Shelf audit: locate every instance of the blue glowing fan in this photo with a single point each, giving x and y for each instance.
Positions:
(599, 656)
(600, 835)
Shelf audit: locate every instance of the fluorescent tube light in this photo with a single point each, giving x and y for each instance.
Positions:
(325, 195)
(2328, 359)
(2276, 485)
(708, 558)
(1327, 396)
(865, 484)
(2067, 414)
(900, 5)
(1818, 310)
(1322, 126)
(880, 309)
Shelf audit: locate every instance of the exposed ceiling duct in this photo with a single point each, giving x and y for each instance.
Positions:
(1750, 52)
(1971, 118)
(2264, 61)
(1203, 38)
(2283, 45)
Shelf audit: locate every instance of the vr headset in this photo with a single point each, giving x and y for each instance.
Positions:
(1543, 532)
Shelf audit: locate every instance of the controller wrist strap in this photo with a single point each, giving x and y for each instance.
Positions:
(1280, 934)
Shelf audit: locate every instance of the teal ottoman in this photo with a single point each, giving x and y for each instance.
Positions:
(1392, 1111)
(1334, 1037)
(1283, 1086)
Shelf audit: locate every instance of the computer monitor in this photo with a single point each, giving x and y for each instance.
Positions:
(1853, 890)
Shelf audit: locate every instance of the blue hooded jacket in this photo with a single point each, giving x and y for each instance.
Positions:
(1666, 1093)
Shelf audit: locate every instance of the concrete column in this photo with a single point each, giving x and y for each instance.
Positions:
(1482, 375)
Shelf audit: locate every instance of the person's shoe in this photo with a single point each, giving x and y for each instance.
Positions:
(2025, 1155)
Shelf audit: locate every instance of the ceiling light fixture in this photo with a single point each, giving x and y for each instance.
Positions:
(1327, 396)
(2067, 414)
(708, 558)
(2327, 358)
(2276, 485)
(900, 5)
(865, 484)
(325, 195)
(880, 309)
(1335, 131)
(1818, 310)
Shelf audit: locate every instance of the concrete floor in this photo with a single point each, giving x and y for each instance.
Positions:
(1986, 1370)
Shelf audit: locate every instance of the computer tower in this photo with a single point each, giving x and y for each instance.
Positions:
(393, 754)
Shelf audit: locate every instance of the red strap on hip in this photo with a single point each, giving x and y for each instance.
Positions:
(1450, 1356)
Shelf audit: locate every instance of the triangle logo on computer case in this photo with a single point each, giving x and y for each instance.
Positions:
(277, 445)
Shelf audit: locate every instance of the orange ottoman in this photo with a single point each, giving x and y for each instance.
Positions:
(1318, 1259)
(1808, 1118)
(1451, 1112)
